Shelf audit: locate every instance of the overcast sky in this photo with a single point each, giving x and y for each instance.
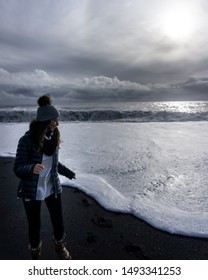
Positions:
(103, 49)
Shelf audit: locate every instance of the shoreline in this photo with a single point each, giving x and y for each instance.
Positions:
(93, 233)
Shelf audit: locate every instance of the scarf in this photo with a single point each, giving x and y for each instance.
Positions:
(49, 143)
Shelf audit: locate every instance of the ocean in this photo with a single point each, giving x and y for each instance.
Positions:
(148, 159)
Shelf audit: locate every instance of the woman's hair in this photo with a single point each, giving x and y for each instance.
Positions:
(38, 130)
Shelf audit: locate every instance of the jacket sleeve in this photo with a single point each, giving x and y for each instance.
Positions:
(63, 170)
(22, 167)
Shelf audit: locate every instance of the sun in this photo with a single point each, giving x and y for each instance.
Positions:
(178, 22)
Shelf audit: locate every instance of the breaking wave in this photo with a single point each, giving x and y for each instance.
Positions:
(26, 115)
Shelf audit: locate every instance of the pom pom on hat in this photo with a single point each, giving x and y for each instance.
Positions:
(44, 100)
(46, 111)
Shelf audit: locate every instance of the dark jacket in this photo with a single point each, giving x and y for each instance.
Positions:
(26, 159)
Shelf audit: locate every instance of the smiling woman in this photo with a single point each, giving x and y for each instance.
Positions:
(178, 21)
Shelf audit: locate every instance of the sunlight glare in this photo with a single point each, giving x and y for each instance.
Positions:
(178, 22)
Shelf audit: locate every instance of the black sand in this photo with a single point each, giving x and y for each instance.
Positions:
(92, 232)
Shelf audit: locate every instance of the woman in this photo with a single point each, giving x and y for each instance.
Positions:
(37, 166)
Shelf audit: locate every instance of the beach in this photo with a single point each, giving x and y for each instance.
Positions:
(93, 233)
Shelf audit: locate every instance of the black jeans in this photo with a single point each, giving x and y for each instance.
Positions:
(33, 212)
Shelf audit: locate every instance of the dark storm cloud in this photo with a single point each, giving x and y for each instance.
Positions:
(25, 88)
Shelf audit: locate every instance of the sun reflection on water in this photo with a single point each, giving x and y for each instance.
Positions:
(181, 106)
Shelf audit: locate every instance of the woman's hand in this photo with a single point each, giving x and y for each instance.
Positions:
(38, 168)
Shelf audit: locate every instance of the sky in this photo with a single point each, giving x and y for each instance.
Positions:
(106, 50)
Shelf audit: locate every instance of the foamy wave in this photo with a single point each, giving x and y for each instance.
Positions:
(24, 115)
(172, 220)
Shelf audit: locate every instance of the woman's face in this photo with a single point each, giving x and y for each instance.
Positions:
(53, 124)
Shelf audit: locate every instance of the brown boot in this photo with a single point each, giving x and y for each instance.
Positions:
(36, 252)
(61, 250)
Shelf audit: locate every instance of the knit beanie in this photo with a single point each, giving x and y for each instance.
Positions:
(46, 111)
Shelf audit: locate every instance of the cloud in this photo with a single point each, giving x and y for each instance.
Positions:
(112, 83)
(101, 88)
(31, 84)
(24, 87)
(37, 78)
(197, 83)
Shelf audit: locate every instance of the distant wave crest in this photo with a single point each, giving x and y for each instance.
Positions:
(25, 115)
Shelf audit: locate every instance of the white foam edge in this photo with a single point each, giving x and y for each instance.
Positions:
(172, 219)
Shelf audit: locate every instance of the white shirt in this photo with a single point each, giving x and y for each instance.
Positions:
(45, 186)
